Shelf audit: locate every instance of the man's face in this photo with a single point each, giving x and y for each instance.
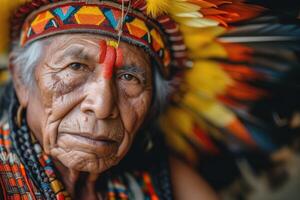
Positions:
(89, 100)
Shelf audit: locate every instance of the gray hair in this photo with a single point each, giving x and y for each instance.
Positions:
(162, 90)
(25, 59)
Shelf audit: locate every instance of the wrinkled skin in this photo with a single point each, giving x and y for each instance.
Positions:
(84, 107)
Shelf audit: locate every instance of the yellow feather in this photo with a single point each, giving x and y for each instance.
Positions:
(197, 39)
(175, 139)
(182, 6)
(6, 9)
(175, 115)
(196, 22)
(201, 122)
(157, 7)
(196, 42)
(207, 50)
(210, 109)
(209, 78)
(189, 14)
(210, 32)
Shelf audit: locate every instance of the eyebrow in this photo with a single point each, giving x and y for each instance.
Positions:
(133, 68)
(75, 51)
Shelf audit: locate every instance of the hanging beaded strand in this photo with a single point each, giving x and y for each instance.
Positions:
(31, 155)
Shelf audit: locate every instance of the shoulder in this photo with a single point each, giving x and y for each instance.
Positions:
(187, 183)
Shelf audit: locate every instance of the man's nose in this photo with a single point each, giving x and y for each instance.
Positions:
(101, 99)
(101, 96)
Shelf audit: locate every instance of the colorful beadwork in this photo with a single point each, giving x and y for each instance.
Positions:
(45, 161)
(104, 18)
(14, 182)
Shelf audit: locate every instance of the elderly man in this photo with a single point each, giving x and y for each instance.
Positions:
(89, 79)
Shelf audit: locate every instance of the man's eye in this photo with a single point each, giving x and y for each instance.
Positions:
(129, 77)
(77, 66)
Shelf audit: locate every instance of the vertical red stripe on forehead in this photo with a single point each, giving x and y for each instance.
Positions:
(102, 51)
(119, 59)
(109, 62)
(109, 57)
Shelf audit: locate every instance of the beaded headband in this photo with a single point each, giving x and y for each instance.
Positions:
(106, 18)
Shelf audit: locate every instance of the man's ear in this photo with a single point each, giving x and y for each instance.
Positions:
(21, 88)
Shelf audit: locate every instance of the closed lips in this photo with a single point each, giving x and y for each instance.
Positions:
(101, 146)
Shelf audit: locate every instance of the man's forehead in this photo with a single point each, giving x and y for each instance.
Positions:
(83, 39)
(63, 40)
(87, 46)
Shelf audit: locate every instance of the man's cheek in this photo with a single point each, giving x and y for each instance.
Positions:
(76, 121)
(46, 93)
(60, 106)
(53, 84)
(129, 116)
(134, 110)
(64, 103)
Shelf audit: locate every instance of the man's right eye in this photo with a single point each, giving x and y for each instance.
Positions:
(77, 66)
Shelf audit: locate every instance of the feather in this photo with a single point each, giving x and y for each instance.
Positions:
(196, 22)
(174, 136)
(195, 38)
(209, 109)
(261, 138)
(189, 14)
(208, 51)
(208, 78)
(157, 7)
(205, 141)
(266, 32)
(182, 6)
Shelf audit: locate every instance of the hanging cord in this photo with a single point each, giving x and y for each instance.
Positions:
(122, 20)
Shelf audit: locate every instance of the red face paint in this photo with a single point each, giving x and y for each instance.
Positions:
(102, 51)
(119, 59)
(109, 62)
(109, 57)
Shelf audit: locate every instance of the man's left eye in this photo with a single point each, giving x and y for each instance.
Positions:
(129, 77)
(77, 66)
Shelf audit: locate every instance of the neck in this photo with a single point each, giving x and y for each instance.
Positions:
(80, 185)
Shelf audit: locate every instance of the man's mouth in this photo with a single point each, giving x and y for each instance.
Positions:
(87, 137)
(100, 146)
(94, 141)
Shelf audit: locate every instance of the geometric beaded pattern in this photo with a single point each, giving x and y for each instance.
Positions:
(119, 187)
(14, 182)
(103, 18)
